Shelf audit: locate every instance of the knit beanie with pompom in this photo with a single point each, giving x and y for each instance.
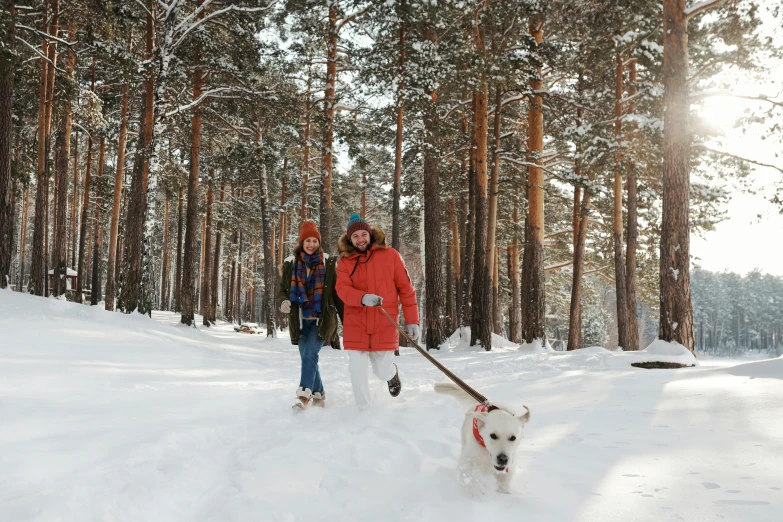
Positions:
(357, 223)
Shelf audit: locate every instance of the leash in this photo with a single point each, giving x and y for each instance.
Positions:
(459, 382)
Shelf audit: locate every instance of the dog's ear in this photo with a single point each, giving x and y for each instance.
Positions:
(526, 417)
(479, 417)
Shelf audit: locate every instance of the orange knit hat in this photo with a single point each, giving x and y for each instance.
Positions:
(309, 229)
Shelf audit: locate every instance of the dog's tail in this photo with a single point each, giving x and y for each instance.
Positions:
(447, 388)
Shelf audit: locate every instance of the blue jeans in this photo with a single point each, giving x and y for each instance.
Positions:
(309, 346)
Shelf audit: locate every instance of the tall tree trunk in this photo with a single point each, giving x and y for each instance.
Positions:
(206, 280)
(165, 282)
(216, 261)
(617, 232)
(266, 237)
(676, 309)
(199, 299)
(466, 226)
(131, 296)
(37, 276)
(533, 300)
(633, 234)
(81, 272)
(115, 212)
(575, 318)
(435, 333)
(23, 238)
(515, 316)
(514, 326)
(7, 67)
(455, 264)
(328, 132)
(306, 151)
(395, 242)
(63, 147)
(97, 247)
(51, 66)
(75, 198)
(180, 238)
(491, 254)
(187, 290)
(232, 280)
(581, 216)
(238, 288)
(497, 315)
(481, 331)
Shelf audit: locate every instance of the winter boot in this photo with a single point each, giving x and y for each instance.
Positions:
(395, 386)
(319, 399)
(304, 395)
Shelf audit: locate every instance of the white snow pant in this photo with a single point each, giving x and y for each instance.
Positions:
(382, 367)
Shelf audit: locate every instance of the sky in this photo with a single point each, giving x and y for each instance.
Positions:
(751, 236)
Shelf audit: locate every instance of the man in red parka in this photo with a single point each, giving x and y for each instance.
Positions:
(371, 274)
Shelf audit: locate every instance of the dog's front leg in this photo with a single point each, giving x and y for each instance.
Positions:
(470, 478)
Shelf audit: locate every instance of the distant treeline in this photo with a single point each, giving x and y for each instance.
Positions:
(736, 313)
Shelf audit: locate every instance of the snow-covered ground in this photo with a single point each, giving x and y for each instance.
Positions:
(106, 417)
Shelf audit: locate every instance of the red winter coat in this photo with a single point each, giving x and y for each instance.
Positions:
(378, 271)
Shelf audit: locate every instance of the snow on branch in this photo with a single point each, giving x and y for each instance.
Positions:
(39, 53)
(708, 94)
(702, 146)
(212, 93)
(186, 29)
(46, 35)
(697, 8)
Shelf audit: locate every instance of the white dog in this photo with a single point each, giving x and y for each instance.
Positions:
(490, 436)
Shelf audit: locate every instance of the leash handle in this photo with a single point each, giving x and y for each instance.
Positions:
(459, 382)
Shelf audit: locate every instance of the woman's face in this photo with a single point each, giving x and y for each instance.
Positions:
(310, 245)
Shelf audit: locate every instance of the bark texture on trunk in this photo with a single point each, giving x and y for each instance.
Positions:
(7, 67)
(180, 239)
(481, 306)
(81, 271)
(114, 227)
(533, 300)
(633, 235)
(37, 277)
(131, 292)
(491, 254)
(75, 200)
(676, 309)
(165, 282)
(395, 242)
(456, 309)
(434, 330)
(617, 232)
(515, 316)
(206, 279)
(216, 262)
(575, 321)
(97, 246)
(187, 290)
(266, 238)
(328, 132)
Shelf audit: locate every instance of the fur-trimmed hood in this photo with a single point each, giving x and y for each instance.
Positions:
(346, 249)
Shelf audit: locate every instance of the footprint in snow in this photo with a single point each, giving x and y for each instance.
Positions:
(710, 485)
(742, 502)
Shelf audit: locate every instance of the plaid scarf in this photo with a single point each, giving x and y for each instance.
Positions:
(307, 290)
